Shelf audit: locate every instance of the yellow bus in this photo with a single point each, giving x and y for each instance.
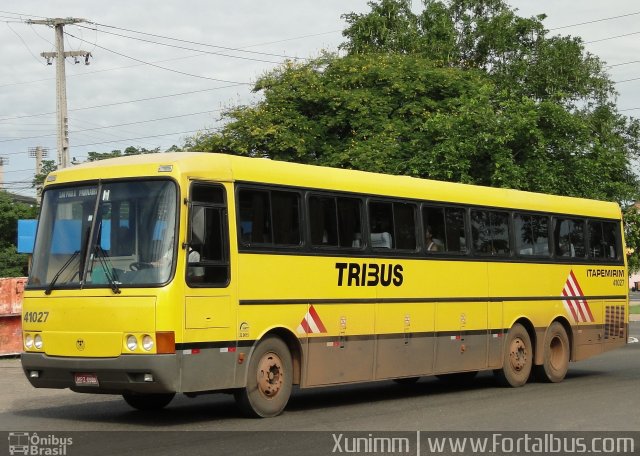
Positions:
(198, 272)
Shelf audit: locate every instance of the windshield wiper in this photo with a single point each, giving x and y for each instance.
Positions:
(108, 269)
(49, 288)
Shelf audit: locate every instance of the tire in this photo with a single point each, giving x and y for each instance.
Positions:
(556, 355)
(406, 381)
(517, 359)
(458, 378)
(148, 402)
(269, 380)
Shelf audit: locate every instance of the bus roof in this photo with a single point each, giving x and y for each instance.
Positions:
(226, 168)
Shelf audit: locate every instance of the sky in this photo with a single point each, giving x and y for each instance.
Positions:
(147, 91)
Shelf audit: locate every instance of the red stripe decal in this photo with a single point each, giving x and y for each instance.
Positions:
(305, 326)
(316, 318)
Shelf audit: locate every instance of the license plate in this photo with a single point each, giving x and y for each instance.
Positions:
(86, 380)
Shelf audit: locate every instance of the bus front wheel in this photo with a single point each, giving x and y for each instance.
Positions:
(269, 380)
(518, 358)
(148, 402)
(556, 355)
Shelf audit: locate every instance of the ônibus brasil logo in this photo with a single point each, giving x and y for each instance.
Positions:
(30, 443)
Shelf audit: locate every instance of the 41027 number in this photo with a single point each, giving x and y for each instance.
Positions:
(36, 317)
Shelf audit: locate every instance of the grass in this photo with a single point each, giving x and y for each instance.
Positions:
(634, 309)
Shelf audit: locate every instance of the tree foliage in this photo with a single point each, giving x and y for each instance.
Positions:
(12, 264)
(465, 91)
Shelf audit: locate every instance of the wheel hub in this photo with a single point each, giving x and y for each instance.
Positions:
(518, 354)
(270, 375)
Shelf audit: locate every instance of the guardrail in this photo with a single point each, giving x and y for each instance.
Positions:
(11, 292)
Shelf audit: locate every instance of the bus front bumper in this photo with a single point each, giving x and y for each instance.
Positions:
(126, 373)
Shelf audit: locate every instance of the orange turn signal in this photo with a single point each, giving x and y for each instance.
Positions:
(166, 342)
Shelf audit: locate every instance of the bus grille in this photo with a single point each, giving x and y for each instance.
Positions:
(614, 322)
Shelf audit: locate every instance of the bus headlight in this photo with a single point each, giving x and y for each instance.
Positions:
(28, 341)
(147, 342)
(132, 342)
(37, 341)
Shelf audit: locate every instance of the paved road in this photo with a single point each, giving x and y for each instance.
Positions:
(599, 394)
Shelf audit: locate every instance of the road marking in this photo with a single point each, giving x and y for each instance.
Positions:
(633, 340)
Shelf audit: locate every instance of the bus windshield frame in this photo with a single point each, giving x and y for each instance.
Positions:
(106, 234)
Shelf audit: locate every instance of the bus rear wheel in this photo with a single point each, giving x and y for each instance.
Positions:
(269, 380)
(555, 356)
(517, 359)
(148, 402)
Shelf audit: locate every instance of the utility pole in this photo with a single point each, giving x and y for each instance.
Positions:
(38, 153)
(61, 83)
(3, 161)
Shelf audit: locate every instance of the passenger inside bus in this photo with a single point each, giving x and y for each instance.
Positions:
(433, 245)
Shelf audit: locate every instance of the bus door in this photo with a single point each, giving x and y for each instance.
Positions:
(209, 317)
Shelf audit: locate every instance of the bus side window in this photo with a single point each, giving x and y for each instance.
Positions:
(349, 222)
(381, 225)
(269, 217)
(490, 230)
(603, 244)
(444, 229)
(569, 238)
(335, 222)
(392, 225)
(531, 234)
(323, 220)
(255, 216)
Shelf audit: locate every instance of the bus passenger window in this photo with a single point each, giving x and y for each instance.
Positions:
(404, 217)
(531, 234)
(286, 217)
(569, 238)
(255, 217)
(603, 240)
(444, 229)
(335, 222)
(269, 217)
(490, 231)
(349, 222)
(323, 221)
(392, 225)
(381, 225)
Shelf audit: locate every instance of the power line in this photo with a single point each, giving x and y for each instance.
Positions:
(191, 42)
(159, 66)
(87, 73)
(293, 38)
(623, 63)
(596, 20)
(126, 102)
(627, 80)
(137, 139)
(611, 38)
(25, 45)
(113, 126)
(20, 14)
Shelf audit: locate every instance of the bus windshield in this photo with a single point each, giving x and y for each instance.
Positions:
(105, 235)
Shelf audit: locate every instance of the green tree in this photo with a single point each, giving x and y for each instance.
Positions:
(48, 166)
(632, 237)
(465, 91)
(12, 264)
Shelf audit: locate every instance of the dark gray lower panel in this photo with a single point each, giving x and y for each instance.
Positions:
(408, 356)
